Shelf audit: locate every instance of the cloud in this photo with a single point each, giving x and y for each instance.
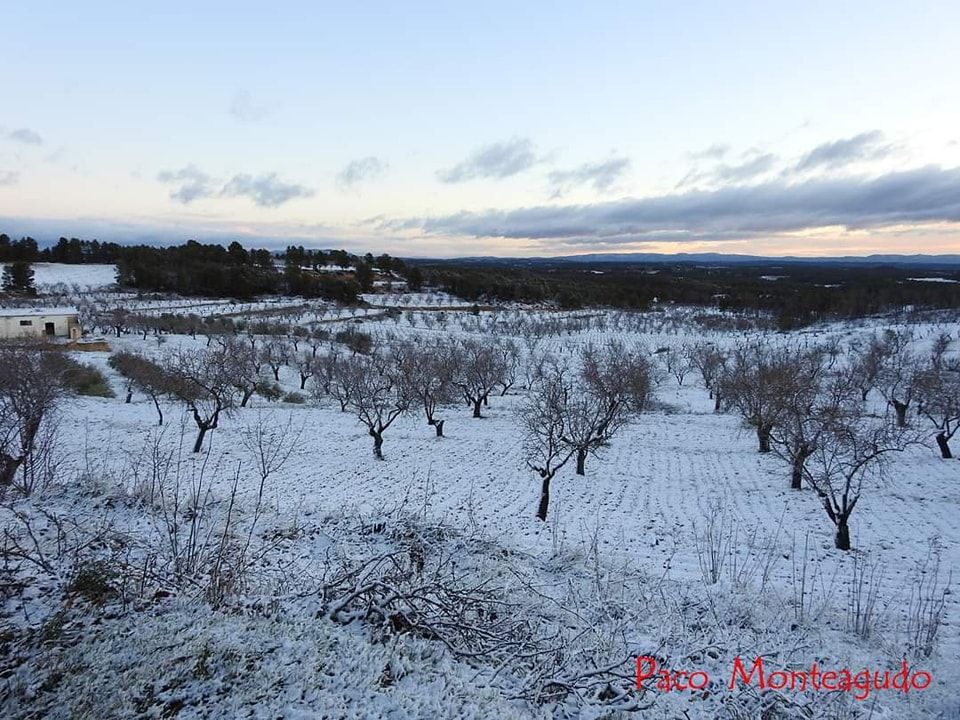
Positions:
(865, 146)
(265, 190)
(601, 175)
(192, 184)
(356, 171)
(25, 136)
(497, 161)
(243, 107)
(714, 152)
(924, 195)
(10, 177)
(757, 164)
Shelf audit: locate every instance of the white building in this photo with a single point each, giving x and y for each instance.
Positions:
(39, 322)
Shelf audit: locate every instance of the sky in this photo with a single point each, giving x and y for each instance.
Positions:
(513, 129)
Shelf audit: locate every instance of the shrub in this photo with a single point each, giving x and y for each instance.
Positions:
(269, 391)
(86, 379)
(358, 342)
(295, 398)
(94, 581)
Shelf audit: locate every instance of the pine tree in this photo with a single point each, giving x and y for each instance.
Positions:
(18, 279)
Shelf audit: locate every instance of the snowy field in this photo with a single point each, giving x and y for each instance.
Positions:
(618, 570)
(51, 277)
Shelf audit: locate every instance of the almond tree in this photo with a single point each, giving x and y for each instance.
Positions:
(31, 387)
(852, 450)
(938, 387)
(543, 421)
(145, 375)
(510, 360)
(613, 386)
(807, 405)
(709, 361)
(758, 383)
(376, 392)
(428, 374)
(244, 366)
(480, 368)
(868, 361)
(897, 376)
(307, 367)
(325, 378)
(203, 381)
(275, 353)
(678, 364)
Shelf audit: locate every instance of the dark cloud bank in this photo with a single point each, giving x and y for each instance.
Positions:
(922, 195)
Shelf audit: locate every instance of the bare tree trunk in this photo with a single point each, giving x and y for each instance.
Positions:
(716, 402)
(944, 446)
(842, 540)
(156, 404)
(438, 425)
(202, 432)
(8, 469)
(796, 476)
(476, 407)
(377, 444)
(763, 438)
(247, 394)
(581, 462)
(303, 381)
(544, 498)
(901, 410)
(129, 397)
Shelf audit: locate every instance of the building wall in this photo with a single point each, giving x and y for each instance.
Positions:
(14, 327)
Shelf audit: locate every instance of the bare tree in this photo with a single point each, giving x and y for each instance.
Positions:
(375, 391)
(145, 375)
(852, 448)
(543, 420)
(429, 373)
(510, 361)
(244, 365)
(316, 340)
(938, 388)
(275, 353)
(202, 379)
(808, 404)
(31, 386)
(480, 369)
(709, 361)
(677, 363)
(118, 318)
(897, 376)
(613, 385)
(328, 380)
(759, 383)
(307, 367)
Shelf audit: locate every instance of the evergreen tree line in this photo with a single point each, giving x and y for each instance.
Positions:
(796, 296)
(213, 270)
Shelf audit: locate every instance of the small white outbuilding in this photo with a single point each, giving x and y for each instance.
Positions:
(39, 322)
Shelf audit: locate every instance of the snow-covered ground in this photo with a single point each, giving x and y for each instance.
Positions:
(47, 276)
(621, 552)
